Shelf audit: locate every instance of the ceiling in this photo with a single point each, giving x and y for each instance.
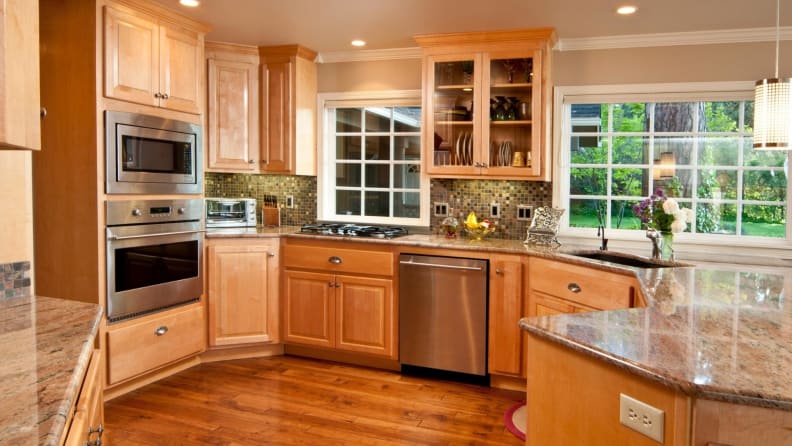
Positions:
(329, 25)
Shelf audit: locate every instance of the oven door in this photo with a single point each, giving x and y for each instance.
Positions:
(152, 267)
(227, 213)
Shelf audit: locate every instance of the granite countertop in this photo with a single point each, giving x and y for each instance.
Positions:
(46, 346)
(714, 330)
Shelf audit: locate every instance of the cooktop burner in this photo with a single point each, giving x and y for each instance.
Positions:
(354, 230)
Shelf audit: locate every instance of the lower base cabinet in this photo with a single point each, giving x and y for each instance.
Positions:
(87, 424)
(507, 304)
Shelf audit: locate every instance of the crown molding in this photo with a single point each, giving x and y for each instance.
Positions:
(369, 55)
(745, 35)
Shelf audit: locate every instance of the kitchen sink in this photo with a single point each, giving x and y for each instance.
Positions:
(626, 259)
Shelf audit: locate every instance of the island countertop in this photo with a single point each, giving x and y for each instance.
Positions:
(46, 346)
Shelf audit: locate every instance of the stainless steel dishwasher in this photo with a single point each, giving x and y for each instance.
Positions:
(443, 313)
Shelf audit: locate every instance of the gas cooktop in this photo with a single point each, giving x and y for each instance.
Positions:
(350, 230)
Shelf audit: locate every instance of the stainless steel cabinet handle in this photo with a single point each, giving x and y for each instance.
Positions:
(573, 287)
(435, 265)
(161, 330)
(335, 260)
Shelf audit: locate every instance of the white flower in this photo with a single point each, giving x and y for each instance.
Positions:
(678, 225)
(670, 206)
(689, 215)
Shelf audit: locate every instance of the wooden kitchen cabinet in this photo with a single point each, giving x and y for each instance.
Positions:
(486, 99)
(288, 110)
(151, 61)
(560, 287)
(243, 277)
(87, 423)
(20, 104)
(506, 307)
(232, 108)
(340, 296)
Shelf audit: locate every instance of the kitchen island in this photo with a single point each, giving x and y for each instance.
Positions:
(46, 346)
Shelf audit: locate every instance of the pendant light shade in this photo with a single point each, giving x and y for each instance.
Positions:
(773, 106)
(772, 114)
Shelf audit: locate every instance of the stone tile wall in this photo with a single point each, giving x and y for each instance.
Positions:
(15, 279)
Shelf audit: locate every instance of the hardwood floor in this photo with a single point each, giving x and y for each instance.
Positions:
(294, 401)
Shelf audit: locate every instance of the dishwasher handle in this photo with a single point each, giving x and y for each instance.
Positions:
(441, 266)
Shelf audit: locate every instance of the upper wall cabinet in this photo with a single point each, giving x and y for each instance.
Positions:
(232, 108)
(487, 104)
(288, 110)
(20, 105)
(152, 62)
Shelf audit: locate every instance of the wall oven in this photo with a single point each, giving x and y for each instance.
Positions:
(151, 155)
(153, 255)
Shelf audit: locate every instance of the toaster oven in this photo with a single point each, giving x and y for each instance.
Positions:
(230, 212)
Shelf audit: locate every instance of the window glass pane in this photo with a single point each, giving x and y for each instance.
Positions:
(378, 119)
(583, 213)
(378, 148)
(715, 218)
(622, 215)
(348, 147)
(630, 150)
(588, 181)
(407, 176)
(630, 182)
(377, 175)
(675, 116)
(630, 118)
(764, 185)
(679, 185)
(715, 151)
(748, 117)
(377, 204)
(766, 158)
(764, 221)
(589, 150)
(407, 147)
(717, 184)
(406, 204)
(594, 117)
(348, 175)
(348, 202)
(722, 116)
(407, 119)
(674, 151)
(348, 120)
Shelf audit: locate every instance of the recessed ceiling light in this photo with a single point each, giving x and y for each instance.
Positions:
(358, 42)
(627, 9)
(190, 3)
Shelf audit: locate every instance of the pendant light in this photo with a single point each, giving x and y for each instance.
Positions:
(773, 106)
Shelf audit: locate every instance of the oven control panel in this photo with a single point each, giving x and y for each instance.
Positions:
(129, 212)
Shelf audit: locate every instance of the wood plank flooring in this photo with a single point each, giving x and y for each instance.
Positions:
(294, 401)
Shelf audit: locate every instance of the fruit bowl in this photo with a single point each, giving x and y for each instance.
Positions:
(480, 232)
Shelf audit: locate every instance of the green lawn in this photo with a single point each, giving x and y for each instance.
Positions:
(777, 230)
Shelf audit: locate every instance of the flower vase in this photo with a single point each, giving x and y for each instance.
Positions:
(667, 245)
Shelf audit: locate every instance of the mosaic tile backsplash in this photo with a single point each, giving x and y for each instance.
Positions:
(462, 197)
(14, 279)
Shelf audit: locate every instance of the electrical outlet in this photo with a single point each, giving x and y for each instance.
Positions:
(440, 209)
(641, 417)
(495, 210)
(524, 212)
(290, 201)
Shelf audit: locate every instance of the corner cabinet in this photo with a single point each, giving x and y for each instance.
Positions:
(506, 307)
(487, 104)
(151, 61)
(243, 278)
(288, 110)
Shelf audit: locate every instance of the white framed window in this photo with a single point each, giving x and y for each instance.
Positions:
(370, 161)
(616, 145)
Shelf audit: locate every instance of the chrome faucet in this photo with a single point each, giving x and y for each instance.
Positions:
(654, 235)
(603, 240)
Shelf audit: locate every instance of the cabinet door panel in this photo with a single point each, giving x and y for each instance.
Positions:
(181, 62)
(233, 130)
(277, 117)
(543, 305)
(131, 57)
(310, 310)
(505, 311)
(365, 315)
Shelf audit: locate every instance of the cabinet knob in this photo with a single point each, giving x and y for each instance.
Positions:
(335, 260)
(270, 254)
(573, 287)
(498, 271)
(251, 161)
(157, 95)
(164, 96)
(43, 112)
(161, 330)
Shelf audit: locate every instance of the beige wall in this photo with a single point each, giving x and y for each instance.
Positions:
(370, 76)
(16, 206)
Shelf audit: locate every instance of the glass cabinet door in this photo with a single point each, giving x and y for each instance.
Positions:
(453, 130)
(512, 130)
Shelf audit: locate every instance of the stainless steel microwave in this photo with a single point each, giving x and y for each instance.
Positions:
(151, 155)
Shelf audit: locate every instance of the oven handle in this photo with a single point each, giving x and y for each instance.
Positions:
(159, 234)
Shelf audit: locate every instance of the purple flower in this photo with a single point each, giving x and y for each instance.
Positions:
(659, 192)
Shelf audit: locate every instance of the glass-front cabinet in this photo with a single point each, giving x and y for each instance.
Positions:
(485, 102)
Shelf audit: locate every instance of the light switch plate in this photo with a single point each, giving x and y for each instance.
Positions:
(440, 209)
(524, 212)
(641, 417)
(495, 210)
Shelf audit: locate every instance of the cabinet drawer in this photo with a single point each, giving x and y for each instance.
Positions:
(339, 260)
(586, 286)
(139, 348)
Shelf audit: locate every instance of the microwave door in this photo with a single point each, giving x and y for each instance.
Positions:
(155, 156)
